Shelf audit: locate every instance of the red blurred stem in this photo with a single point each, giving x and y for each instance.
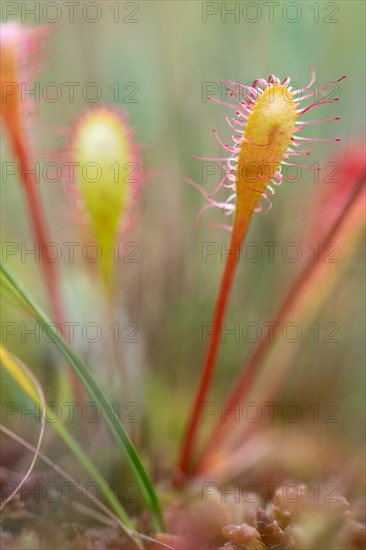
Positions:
(41, 234)
(39, 228)
(245, 381)
(237, 239)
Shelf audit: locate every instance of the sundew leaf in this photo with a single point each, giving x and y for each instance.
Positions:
(108, 178)
(267, 124)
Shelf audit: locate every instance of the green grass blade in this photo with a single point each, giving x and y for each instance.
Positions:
(143, 480)
(14, 369)
(79, 453)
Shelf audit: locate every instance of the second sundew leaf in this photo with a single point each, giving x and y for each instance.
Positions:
(105, 156)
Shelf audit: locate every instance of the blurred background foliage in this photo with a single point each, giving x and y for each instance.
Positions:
(170, 53)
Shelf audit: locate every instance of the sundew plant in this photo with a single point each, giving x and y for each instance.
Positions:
(182, 365)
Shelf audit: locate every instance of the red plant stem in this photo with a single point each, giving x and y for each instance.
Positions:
(41, 235)
(244, 383)
(237, 239)
(39, 227)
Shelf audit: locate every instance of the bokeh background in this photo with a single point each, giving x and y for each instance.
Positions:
(169, 53)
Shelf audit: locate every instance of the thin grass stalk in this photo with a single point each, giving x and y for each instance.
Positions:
(85, 376)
